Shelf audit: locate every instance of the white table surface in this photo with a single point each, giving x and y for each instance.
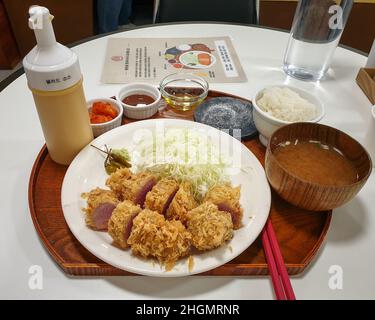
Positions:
(351, 238)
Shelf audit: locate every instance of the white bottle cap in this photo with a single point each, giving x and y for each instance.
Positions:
(49, 66)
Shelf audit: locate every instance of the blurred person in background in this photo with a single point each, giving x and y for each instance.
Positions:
(112, 14)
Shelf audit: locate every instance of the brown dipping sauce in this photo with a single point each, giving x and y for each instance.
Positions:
(317, 163)
(136, 99)
(184, 92)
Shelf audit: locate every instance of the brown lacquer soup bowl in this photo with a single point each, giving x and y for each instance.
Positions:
(316, 167)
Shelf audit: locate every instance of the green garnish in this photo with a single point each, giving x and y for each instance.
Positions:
(116, 159)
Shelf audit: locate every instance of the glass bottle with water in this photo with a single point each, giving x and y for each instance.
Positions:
(316, 31)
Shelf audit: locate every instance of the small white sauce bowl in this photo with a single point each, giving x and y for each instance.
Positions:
(100, 128)
(141, 112)
(267, 125)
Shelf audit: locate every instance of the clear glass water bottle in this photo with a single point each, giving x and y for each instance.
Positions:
(316, 31)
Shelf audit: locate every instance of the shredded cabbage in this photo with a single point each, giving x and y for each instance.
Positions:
(183, 154)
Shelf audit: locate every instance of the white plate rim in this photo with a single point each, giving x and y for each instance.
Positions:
(257, 228)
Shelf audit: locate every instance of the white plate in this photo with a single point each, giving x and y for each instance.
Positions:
(87, 172)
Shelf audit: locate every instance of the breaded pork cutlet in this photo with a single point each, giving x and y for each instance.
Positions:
(161, 195)
(227, 199)
(100, 204)
(121, 222)
(209, 227)
(153, 236)
(116, 180)
(138, 186)
(132, 187)
(182, 202)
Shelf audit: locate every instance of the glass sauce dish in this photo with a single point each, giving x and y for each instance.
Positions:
(183, 92)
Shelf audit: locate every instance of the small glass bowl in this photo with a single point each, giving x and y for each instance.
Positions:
(183, 91)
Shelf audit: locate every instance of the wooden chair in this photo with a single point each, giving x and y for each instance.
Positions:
(238, 11)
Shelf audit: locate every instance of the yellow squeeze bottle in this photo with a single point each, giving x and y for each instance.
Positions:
(55, 79)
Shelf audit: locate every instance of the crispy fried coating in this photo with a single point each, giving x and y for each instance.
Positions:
(182, 203)
(153, 236)
(209, 227)
(129, 186)
(94, 199)
(161, 195)
(121, 222)
(116, 180)
(136, 188)
(227, 199)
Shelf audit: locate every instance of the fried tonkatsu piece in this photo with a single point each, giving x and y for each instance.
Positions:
(161, 195)
(133, 187)
(136, 188)
(100, 204)
(121, 222)
(116, 180)
(153, 236)
(209, 227)
(181, 203)
(227, 199)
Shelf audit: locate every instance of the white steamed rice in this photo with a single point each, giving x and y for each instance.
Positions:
(287, 105)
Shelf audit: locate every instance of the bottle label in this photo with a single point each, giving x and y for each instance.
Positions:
(53, 80)
(59, 80)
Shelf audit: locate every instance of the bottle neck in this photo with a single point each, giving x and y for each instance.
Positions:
(41, 22)
(42, 40)
(45, 37)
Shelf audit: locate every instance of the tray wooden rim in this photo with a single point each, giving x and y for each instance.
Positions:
(74, 269)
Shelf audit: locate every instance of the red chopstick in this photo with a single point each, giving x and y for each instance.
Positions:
(279, 275)
(277, 285)
(289, 292)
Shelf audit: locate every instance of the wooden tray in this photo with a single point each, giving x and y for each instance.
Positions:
(300, 232)
(366, 81)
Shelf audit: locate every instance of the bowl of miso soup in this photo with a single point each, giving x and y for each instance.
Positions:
(316, 167)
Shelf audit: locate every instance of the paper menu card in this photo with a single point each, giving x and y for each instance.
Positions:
(151, 59)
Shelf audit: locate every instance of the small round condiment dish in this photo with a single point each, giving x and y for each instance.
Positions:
(267, 124)
(184, 91)
(139, 112)
(306, 194)
(232, 115)
(100, 128)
